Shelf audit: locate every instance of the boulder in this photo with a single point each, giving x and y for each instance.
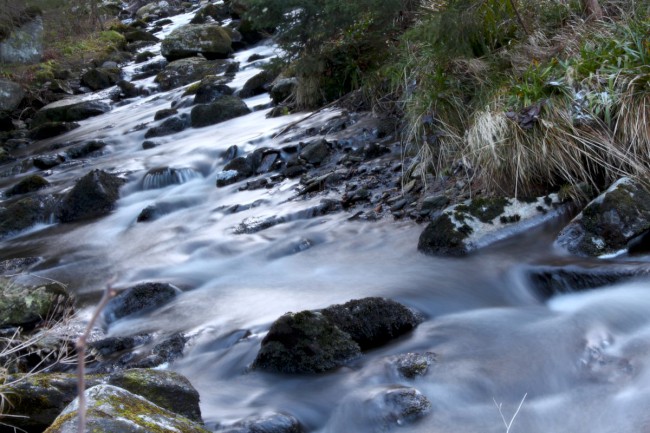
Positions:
(225, 108)
(186, 71)
(169, 126)
(140, 35)
(210, 89)
(23, 214)
(114, 410)
(11, 95)
(305, 342)
(164, 113)
(211, 12)
(209, 40)
(85, 149)
(465, 227)
(268, 423)
(62, 112)
(256, 85)
(139, 299)
(282, 89)
(100, 78)
(45, 162)
(315, 152)
(609, 223)
(372, 322)
(51, 129)
(93, 196)
(22, 305)
(29, 184)
(24, 44)
(18, 265)
(398, 406)
(410, 365)
(154, 10)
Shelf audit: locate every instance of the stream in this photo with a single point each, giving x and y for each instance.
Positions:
(576, 362)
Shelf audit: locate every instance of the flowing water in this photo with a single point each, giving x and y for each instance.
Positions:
(575, 363)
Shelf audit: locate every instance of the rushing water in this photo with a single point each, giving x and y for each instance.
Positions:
(575, 363)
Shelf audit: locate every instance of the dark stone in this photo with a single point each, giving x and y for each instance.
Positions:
(128, 89)
(51, 129)
(272, 423)
(70, 113)
(150, 69)
(305, 342)
(46, 162)
(22, 214)
(242, 165)
(140, 35)
(316, 152)
(441, 237)
(164, 113)
(144, 56)
(399, 406)
(169, 126)
(434, 203)
(282, 89)
(18, 265)
(85, 149)
(411, 365)
(138, 299)
(256, 85)
(211, 90)
(213, 11)
(100, 78)
(94, 195)
(225, 108)
(149, 213)
(372, 322)
(148, 144)
(29, 184)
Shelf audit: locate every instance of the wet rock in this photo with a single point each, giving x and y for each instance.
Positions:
(434, 203)
(45, 162)
(29, 184)
(270, 423)
(210, 89)
(150, 213)
(128, 90)
(169, 126)
(93, 196)
(60, 86)
(23, 214)
(411, 365)
(100, 78)
(22, 305)
(209, 40)
(139, 299)
(256, 85)
(11, 95)
(162, 177)
(166, 389)
(85, 149)
(476, 223)
(186, 71)
(154, 10)
(151, 69)
(282, 89)
(399, 406)
(70, 113)
(144, 56)
(228, 177)
(5, 157)
(115, 410)
(316, 152)
(372, 322)
(225, 108)
(51, 129)
(165, 113)
(305, 342)
(148, 144)
(211, 11)
(140, 35)
(609, 223)
(18, 265)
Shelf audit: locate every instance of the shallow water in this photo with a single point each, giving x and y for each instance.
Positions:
(579, 362)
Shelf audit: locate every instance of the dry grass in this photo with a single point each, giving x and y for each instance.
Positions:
(632, 127)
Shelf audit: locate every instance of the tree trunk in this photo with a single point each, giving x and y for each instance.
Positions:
(592, 9)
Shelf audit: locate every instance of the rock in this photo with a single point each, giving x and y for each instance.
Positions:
(29, 184)
(18, 265)
(150, 69)
(11, 95)
(609, 223)
(282, 89)
(169, 126)
(166, 389)
(305, 342)
(22, 305)
(51, 129)
(209, 40)
(186, 71)
(115, 410)
(399, 406)
(128, 90)
(225, 108)
(60, 86)
(372, 322)
(23, 214)
(211, 11)
(315, 152)
(45, 162)
(100, 78)
(24, 44)
(161, 177)
(164, 113)
(85, 149)
(434, 203)
(139, 35)
(256, 85)
(144, 56)
(228, 177)
(154, 10)
(5, 157)
(210, 89)
(476, 223)
(93, 196)
(269, 423)
(148, 144)
(139, 299)
(411, 365)
(61, 112)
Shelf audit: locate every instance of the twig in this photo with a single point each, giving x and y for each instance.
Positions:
(81, 356)
(505, 423)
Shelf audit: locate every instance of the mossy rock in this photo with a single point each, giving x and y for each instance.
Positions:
(186, 71)
(115, 410)
(70, 112)
(209, 40)
(52, 129)
(29, 184)
(305, 342)
(94, 195)
(100, 78)
(225, 108)
(22, 305)
(135, 35)
(22, 214)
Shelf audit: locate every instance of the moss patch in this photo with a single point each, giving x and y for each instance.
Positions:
(485, 209)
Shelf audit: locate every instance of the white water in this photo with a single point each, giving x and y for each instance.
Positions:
(581, 360)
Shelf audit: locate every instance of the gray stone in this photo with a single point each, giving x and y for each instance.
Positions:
(64, 112)
(93, 196)
(29, 184)
(210, 40)
(24, 44)
(22, 305)
(11, 95)
(23, 214)
(256, 85)
(185, 71)
(224, 108)
(51, 129)
(269, 423)
(100, 78)
(315, 152)
(139, 299)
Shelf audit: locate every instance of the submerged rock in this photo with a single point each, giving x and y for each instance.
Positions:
(139, 299)
(29, 184)
(305, 342)
(85, 149)
(22, 305)
(270, 423)
(411, 365)
(94, 195)
(115, 410)
(609, 223)
(162, 177)
(399, 406)
(476, 223)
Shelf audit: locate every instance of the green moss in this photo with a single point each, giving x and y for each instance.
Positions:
(485, 209)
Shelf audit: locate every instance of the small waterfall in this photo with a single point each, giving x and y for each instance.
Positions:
(162, 177)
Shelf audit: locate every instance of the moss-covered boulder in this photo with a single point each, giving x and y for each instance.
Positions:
(29, 184)
(305, 342)
(23, 305)
(51, 129)
(465, 227)
(157, 9)
(11, 95)
(372, 322)
(93, 196)
(166, 389)
(115, 410)
(100, 78)
(139, 299)
(210, 40)
(24, 213)
(186, 71)
(61, 112)
(225, 108)
(609, 223)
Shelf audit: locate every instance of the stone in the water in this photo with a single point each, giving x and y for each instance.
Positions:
(94, 195)
(70, 112)
(29, 184)
(411, 365)
(51, 129)
(400, 405)
(23, 214)
(169, 126)
(18, 265)
(85, 149)
(225, 108)
(22, 305)
(162, 177)
(139, 299)
(315, 152)
(305, 342)
(270, 423)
